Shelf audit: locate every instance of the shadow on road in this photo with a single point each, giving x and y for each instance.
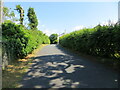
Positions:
(66, 71)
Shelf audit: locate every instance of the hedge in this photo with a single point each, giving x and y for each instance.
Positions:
(101, 41)
(20, 40)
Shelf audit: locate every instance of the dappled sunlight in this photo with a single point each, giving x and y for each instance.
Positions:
(22, 60)
(74, 85)
(65, 71)
(50, 64)
(9, 70)
(57, 83)
(71, 69)
(51, 76)
(116, 80)
(53, 69)
(10, 66)
(57, 71)
(60, 83)
(37, 86)
(29, 56)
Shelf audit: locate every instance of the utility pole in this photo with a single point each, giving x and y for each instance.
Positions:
(59, 35)
(119, 12)
(65, 31)
(58, 38)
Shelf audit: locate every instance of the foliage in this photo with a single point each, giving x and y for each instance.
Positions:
(100, 41)
(33, 21)
(14, 72)
(53, 38)
(20, 41)
(21, 11)
(6, 11)
(8, 14)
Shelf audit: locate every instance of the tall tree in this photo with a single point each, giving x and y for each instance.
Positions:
(5, 11)
(8, 14)
(21, 11)
(33, 21)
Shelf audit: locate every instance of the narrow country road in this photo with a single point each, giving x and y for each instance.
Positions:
(54, 67)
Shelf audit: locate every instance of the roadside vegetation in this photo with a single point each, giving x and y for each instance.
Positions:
(18, 43)
(14, 72)
(53, 38)
(21, 41)
(18, 39)
(102, 41)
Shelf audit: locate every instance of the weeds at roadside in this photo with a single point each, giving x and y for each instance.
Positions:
(16, 70)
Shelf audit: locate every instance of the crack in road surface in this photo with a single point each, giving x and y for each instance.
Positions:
(54, 67)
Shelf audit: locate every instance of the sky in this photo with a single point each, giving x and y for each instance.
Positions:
(59, 17)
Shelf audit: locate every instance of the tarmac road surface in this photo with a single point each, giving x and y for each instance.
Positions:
(55, 67)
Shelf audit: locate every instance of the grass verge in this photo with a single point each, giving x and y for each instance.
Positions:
(16, 70)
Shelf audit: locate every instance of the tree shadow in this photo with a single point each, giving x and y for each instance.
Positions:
(66, 71)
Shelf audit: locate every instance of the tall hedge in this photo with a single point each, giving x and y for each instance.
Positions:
(101, 41)
(21, 41)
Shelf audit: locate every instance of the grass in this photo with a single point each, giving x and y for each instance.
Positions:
(14, 72)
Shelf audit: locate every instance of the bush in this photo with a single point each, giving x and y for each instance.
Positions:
(20, 41)
(53, 38)
(101, 41)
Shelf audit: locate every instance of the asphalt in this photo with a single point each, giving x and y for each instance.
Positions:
(55, 67)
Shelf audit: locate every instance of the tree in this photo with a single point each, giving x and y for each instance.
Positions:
(33, 21)
(5, 11)
(8, 14)
(53, 38)
(21, 11)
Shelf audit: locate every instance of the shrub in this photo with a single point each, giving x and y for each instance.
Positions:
(101, 41)
(20, 41)
(53, 38)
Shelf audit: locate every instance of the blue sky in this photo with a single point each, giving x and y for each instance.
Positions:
(56, 17)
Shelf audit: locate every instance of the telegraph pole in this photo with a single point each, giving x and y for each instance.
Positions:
(58, 38)
(119, 12)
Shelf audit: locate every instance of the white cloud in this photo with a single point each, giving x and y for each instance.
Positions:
(48, 32)
(78, 27)
(108, 22)
(51, 31)
(41, 26)
(44, 29)
(114, 21)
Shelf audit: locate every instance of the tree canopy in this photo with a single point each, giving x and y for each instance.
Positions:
(21, 11)
(8, 14)
(53, 38)
(33, 21)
